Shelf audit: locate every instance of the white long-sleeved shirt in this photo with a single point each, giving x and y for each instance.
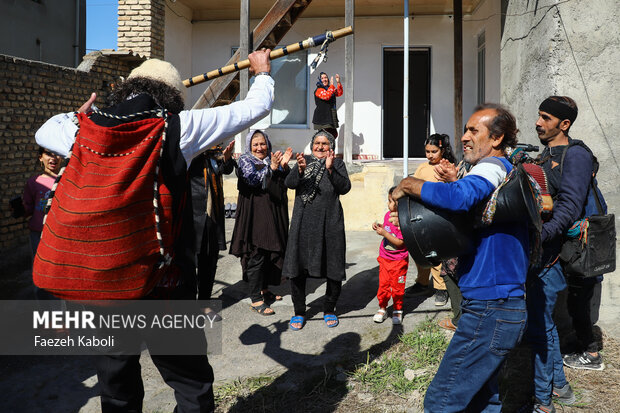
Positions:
(200, 128)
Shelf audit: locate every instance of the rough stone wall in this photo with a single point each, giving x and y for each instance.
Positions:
(141, 26)
(552, 47)
(30, 93)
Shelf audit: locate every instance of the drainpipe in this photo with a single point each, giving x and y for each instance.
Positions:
(76, 43)
(406, 91)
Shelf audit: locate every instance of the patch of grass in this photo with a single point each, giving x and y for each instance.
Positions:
(419, 351)
(229, 392)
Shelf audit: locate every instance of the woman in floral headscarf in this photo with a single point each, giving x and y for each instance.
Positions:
(261, 223)
(316, 246)
(325, 115)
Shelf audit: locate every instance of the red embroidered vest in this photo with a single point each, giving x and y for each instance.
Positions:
(108, 233)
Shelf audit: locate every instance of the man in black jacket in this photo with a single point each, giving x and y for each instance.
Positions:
(569, 168)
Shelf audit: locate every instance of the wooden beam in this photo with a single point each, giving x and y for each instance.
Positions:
(266, 34)
(349, 63)
(458, 77)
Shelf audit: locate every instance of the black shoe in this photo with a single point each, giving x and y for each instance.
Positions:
(441, 297)
(584, 361)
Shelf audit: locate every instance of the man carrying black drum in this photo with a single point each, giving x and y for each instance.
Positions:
(492, 278)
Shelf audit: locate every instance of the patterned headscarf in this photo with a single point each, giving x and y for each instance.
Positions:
(320, 84)
(254, 170)
(314, 170)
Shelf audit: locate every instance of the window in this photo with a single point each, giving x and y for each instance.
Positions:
(481, 62)
(290, 107)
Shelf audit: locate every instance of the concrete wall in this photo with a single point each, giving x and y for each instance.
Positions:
(573, 49)
(212, 42)
(30, 93)
(44, 31)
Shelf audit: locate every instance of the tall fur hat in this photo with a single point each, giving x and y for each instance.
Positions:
(161, 71)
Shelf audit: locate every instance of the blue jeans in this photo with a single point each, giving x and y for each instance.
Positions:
(542, 334)
(467, 376)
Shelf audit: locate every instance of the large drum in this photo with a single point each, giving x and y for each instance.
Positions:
(432, 234)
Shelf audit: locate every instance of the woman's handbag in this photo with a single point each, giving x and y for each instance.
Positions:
(593, 252)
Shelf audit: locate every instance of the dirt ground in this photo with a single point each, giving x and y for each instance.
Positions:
(335, 390)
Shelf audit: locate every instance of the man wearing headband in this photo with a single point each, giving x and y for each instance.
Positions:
(568, 165)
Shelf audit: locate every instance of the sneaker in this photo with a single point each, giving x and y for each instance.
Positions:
(541, 408)
(397, 317)
(564, 395)
(441, 297)
(584, 361)
(417, 289)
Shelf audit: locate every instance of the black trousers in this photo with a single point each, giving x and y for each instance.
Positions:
(255, 271)
(122, 390)
(190, 376)
(205, 272)
(298, 295)
(578, 303)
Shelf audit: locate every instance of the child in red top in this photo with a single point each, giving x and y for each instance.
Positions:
(393, 264)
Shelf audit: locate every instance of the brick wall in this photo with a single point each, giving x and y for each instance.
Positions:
(30, 93)
(141, 26)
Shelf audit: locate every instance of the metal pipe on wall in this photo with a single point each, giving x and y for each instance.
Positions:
(406, 90)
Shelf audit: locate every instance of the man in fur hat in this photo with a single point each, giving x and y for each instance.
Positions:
(153, 86)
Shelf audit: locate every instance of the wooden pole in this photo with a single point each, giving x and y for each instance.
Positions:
(283, 51)
(458, 77)
(244, 77)
(349, 62)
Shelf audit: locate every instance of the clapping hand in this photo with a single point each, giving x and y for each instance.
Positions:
(286, 157)
(337, 78)
(227, 152)
(329, 161)
(445, 171)
(301, 163)
(276, 158)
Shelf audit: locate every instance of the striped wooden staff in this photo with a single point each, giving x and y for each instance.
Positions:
(323, 40)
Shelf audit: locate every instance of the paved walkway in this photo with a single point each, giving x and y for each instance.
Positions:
(253, 345)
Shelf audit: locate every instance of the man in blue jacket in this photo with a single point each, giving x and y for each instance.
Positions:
(491, 279)
(569, 168)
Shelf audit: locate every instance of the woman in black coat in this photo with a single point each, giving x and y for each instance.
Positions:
(316, 243)
(261, 223)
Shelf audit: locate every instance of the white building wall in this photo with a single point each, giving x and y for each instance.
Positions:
(178, 43)
(212, 42)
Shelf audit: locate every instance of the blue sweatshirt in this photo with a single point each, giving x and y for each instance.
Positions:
(498, 267)
(569, 189)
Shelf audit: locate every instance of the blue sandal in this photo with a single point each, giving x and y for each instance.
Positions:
(330, 317)
(297, 320)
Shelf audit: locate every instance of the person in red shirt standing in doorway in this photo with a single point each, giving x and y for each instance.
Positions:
(325, 115)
